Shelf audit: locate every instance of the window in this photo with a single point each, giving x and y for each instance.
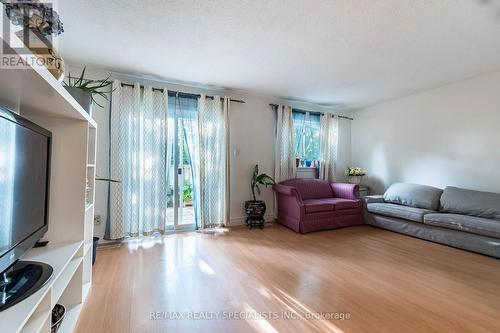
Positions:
(182, 157)
(306, 135)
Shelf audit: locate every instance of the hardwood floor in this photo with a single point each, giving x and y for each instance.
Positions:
(383, 281)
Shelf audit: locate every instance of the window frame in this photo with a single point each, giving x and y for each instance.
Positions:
(311, 122)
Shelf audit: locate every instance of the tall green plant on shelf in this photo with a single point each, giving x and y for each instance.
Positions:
(93, 87)
(259, 179)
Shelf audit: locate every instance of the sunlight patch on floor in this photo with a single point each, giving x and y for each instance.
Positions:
(205, 268)
(321, 324)
(144, 243)
(259, 325)
(264, 292)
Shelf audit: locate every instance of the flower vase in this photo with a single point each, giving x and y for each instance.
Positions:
(355, 179)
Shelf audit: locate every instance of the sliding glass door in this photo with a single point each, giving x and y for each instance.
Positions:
(182, 163)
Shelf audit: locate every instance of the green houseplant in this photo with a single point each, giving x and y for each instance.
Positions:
(85, 90)
(255, 209)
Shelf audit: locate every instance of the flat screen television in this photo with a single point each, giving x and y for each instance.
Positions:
(25, 153)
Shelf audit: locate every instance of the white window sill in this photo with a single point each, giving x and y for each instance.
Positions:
(306, 172)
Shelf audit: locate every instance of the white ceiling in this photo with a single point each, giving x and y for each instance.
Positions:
(351, 53)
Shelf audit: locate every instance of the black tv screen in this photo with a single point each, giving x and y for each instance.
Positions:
(24, 185)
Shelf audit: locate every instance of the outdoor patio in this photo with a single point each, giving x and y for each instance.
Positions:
(186, 216)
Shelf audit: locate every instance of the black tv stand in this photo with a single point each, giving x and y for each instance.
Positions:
(21, 280)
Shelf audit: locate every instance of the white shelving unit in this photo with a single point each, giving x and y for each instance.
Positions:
(35, 94)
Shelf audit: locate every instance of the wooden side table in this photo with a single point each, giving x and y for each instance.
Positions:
(363, 191)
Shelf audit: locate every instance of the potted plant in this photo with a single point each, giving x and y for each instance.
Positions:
(354, 174)
(255, 209)
(84, 90)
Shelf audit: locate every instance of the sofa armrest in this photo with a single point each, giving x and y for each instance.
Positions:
(373, 199)
(345, 190)
(289, 202)
(289, 191)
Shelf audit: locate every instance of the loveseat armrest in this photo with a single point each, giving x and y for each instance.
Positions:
(373, 199)
(345, 190)
(289, 191)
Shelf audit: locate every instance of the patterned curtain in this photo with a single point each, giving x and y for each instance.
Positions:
(138, 160)
(284, 161)
(328, 146)
(213, 189)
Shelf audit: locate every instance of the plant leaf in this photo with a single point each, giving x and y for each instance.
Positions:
(69, 80)
(107, 179)
(255, 171)
(265, 180)
(80, 80)
(95, 102)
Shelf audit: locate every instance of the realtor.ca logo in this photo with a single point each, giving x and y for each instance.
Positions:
(28, 29)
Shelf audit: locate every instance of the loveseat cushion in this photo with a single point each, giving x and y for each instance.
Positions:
(413, 195)
(341, 204)
(403, 212)
(318, 205)
(311, 188)
(329, 204)
(468, 202)
(472, 224)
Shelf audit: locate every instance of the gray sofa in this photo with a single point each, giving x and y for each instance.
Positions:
(461, 218)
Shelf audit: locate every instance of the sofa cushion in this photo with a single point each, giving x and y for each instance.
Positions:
(311, 188)
(413, 195)
(403, 212)
(329, 204)
(318, 205)
(472, 224)
(373, 199)
(468, 202)
(341, 204)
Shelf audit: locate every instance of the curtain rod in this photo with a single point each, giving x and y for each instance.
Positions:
(182, 94)
(315, 112)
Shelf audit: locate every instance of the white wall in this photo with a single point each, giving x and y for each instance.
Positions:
(252, 128)
(445, 136)
(344, 154)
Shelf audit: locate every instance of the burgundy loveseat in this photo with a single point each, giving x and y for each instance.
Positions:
(307, 205)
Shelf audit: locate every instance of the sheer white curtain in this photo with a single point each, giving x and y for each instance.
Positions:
(213, 149)
(328, 146)
(284, 156)
(138, 135)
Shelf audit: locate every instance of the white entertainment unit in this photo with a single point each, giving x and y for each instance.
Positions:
(37, 95)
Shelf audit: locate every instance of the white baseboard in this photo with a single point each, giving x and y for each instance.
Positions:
(237, 221)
